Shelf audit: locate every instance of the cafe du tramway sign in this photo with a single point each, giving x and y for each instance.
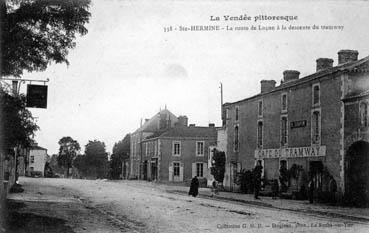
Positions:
(293, 152)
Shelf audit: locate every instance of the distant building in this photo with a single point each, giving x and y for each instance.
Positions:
(178, 154)
(36, 157)
(163, 120)
(318, 123)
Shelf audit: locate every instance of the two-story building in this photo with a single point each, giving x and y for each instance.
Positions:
(318, 123)
(36, 160)
(178, 154)
(163, 120)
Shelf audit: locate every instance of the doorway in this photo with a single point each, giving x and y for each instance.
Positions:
(357, 174)
(316, 174)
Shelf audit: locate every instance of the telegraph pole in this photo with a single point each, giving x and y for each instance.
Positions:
(141, 165)
(221, 104)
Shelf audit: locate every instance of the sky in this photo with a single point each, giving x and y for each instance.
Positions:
(127, 68)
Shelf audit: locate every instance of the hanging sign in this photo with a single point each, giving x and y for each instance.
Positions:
(36, 96)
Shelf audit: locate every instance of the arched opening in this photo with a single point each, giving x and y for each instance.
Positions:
(357, 174)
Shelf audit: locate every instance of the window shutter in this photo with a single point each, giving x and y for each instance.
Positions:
(170, 172)
(193, 170)
(205, 170)
(181, 172)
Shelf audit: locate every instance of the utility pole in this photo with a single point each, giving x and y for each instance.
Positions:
(141, 165)
(221, 104)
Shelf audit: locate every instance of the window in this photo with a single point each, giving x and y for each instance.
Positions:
(236, 138)
(364, 114)
(284, 102)
(260, 134)
(176, 167)
(315, 127)
(176, 148)
(237, 111)
(316, 94)
(32, 160)
(200, 148)
(284, 136)
(260, 108)
(199, 169)
(31, 168)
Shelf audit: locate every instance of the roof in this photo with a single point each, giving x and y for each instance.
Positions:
(186, 132)
(36, 147)
(355, 66)
(152, 125)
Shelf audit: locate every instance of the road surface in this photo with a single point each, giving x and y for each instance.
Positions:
(124, 206)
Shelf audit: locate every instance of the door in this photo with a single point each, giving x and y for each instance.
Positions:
(316, 174)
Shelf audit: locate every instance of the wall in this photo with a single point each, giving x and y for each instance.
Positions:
(39, 160)
(187, 157)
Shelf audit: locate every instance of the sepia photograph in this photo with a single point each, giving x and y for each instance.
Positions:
(184, 116)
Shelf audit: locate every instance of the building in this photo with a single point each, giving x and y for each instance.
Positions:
(178, 154)
(36, 157)
(316, 125)
(163, 120)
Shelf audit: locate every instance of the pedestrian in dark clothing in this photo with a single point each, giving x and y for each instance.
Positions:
(194, 188)
(275, 189)
(311, 191)
(257, 179)
(332, 189)
(215, 187)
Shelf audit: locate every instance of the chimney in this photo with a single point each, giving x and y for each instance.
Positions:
(211, 125)
(290, 75)
(182, 121)
(267, 85)
(347, 55)
(323, 63)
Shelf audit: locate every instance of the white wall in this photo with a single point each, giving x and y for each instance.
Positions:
(39, 161)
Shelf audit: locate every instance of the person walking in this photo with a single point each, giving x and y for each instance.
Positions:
(194, 187)
(257, 179)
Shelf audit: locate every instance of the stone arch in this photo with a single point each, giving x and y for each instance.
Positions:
(357, 173)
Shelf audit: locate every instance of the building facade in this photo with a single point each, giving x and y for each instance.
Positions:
(163, 120)
(178, 154)
(36, 157)
(306, 123)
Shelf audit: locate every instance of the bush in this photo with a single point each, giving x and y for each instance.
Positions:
(245, 179)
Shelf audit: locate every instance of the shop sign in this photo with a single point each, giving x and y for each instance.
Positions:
(298, 124)
(292, 152)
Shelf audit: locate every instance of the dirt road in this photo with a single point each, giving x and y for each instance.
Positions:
(104, 206)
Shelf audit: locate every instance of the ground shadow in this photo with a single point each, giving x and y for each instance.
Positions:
(19, 222)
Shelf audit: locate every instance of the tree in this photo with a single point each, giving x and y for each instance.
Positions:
(95, 160)
(68, 150)
(120, 153)
(57, 170)
(17, 123)
(37, 32)
(218, 165)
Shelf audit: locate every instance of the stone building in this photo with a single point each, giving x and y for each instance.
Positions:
(163, 120)
(317, 125)
(178, 154)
